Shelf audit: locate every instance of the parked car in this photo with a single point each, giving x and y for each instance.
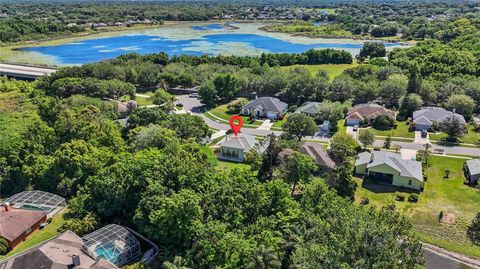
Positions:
(355, 128)
(194, 95)
(424, 133)
(179, 104)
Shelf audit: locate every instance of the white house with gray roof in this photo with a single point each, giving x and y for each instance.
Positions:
(389, 168)
(309, 108)
(234, 148)
(425, 117)
(472, 170)
(265, 107)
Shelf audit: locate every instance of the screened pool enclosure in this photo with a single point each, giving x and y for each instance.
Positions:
(37, 200)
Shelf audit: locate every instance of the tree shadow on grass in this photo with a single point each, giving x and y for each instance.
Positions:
(378, 187)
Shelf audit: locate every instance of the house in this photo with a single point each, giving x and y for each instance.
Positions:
(389, 168)
(362, 112)
(309, 108)
(62, 252)
(472, 170)
(316, 151)
(16, 224)
(234, 148)
(425, 117)
(265, 107)
(125, 108)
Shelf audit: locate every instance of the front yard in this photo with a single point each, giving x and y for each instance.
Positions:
(220, 113)
(457, 201)
(471, 137)
(400, 131)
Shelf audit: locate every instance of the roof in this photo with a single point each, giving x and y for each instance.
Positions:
(473, 166)
(37, 199)
(57, 253)
(245, 142)
(113, 243)
(14, 222)
(369, 111)
(406, 168)
(427, 115)
(316, 151)
(308, 108)
(268, 103)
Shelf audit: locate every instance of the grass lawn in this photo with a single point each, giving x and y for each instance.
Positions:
(400, 131)
(471, 137)
(332, 70)
(448, 195)
(341, 127)
(39, 236)
(143, 101)
(278, 124)
(223, 165)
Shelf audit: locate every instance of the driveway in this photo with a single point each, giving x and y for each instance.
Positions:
(421, 140)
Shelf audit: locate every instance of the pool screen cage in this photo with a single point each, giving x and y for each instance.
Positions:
(113, 243)
(37, 200)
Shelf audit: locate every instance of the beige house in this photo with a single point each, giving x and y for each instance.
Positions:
(234, 148)
(389, 168)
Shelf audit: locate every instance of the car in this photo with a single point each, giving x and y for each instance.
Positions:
(194, 95)
(424, 133)
(179, 104)
(355, 128)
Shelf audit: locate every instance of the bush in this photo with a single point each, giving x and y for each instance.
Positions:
(413, 198)
(235, 106)
(399, 196)
(3, 246)
(364, 201)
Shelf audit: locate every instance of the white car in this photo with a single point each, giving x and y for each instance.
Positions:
(194, 95)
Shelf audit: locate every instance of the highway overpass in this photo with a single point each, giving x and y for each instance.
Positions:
(24, 71)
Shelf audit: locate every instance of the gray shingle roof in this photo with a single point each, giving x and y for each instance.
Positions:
(406, 168)
(474, 166)
(428, 115)
(245, 142)
(309, 108)
(268, 103)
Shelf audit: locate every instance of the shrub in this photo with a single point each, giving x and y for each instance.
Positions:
(399, 196)
(3, 246)
(413, 198)
(235, 106)
(364, 201)
(383, 122)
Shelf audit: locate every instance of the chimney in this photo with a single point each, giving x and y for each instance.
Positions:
(7, 206)
(371, 157)
(76, 260)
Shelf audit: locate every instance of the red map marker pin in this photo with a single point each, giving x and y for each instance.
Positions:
(236, 123)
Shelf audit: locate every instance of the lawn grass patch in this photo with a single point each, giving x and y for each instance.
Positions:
(440, 194)
(51, 230)
(332, 70)
(400, 131)
(471, 137)
(224, 165)
(221, 112)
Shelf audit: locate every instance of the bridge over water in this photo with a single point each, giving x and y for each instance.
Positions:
(24, 71)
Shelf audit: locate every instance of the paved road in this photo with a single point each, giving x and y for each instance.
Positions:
(193, 104)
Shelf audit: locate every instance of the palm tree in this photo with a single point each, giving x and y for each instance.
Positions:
(263, 258)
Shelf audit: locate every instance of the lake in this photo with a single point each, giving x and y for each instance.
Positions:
(186, 38)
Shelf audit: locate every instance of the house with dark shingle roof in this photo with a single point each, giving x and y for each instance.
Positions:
(472, 170)
(309, 108)
(389, 168)
(425, 117)
(362, 112)
(265, 107)
(321, 157)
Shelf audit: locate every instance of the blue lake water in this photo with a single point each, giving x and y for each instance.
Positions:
(209, 39)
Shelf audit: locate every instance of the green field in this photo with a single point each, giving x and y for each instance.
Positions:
(448, 195)
(332, 70)
(39, 236)
(143, 101)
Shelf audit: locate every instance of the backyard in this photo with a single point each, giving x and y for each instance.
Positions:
(458, 203)
(39, 236)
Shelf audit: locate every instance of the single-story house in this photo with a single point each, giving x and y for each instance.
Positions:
(265, 107)
(389, 168)
(309, 108)
(472, 170)
(62, 252)
(234, 148)
(316, 151)
(425, 117)
(16, 224)
(362, 112)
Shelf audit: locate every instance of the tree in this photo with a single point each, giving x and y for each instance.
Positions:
(473, 230)
(366, 137)
(226, 86)
(341, 89)
(263, 258)
(387, 143)
(177, 263)
(397, 148)
(3, 246)
(341, 180)
(424, 154)
(154, 136)
(297, 168)
(383, 122)
(208, 94)
(414, 80)
(372, 50)
(299, 125)
(453, 128)
(392, 89)
(343, 148)
(254, 159)
(164, 99)
(461, 104)
(410, 103)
